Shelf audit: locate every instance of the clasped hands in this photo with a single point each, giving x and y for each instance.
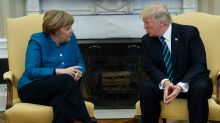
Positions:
(72, 71)
(171, 91)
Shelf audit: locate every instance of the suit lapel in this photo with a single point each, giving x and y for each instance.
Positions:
(176, 41)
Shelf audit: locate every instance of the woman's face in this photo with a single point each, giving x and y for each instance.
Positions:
(64, 33)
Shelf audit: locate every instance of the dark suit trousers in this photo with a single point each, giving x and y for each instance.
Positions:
(197, 97)
(61, 92)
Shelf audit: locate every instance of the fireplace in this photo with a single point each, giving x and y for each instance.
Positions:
(114, 71)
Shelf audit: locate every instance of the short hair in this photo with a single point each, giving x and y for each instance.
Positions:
(158, 11)
(53, 20)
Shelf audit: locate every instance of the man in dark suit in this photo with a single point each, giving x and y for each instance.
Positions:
(175, 62)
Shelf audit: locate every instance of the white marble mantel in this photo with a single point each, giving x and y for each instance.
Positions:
(98, 19)
(3, 48)
(111, 26)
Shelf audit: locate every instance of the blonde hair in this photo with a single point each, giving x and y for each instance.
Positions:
(159, 12)
(55, 19)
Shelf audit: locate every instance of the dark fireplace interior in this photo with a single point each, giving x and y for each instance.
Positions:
(114, 73)
(3, 68)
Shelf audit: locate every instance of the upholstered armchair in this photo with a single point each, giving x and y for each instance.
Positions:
(19, 31)
(209, 27)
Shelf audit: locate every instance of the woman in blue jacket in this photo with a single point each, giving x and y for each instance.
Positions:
(53, 69)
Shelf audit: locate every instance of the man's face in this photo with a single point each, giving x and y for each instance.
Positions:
(152, 26)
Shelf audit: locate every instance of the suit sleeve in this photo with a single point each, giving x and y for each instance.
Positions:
(33, 62)
(152, 70)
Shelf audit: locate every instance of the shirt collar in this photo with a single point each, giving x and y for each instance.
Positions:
(167, 34)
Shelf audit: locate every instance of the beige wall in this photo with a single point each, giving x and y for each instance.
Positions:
(206, 6)
(3, 13)
(16, 8)
(216, 7)
(10, 9)
(209, 6)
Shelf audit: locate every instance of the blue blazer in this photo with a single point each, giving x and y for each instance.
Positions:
(188, 55)
(43, 56)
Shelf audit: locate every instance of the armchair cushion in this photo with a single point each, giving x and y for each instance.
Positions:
(178, 110)
(33, 113)
(30, 112)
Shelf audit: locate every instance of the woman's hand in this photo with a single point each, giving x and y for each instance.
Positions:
(77, 75)
(72, 71)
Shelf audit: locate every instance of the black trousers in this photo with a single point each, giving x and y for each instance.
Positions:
(197, 98)
(61, 92)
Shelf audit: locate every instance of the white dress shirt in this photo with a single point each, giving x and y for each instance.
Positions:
(167, 36)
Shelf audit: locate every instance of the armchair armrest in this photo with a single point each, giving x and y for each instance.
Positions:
(8, 79)
(218, 88)
(8, 75)
(218, 73)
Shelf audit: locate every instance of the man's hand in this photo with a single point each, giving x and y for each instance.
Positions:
(167, 89)
(170, 92)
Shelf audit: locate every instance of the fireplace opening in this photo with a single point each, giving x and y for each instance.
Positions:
(114, 73)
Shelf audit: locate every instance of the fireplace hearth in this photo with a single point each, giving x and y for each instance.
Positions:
(114, 72)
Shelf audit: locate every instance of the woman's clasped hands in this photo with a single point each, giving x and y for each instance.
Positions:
(72, 71)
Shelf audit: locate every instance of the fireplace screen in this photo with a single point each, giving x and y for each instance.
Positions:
(114, 73)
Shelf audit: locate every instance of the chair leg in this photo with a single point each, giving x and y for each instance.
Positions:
(164, 120)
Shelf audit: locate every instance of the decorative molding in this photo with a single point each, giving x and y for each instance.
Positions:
(102, 7)
(112, 6)
(33, 6)
(190, 5)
